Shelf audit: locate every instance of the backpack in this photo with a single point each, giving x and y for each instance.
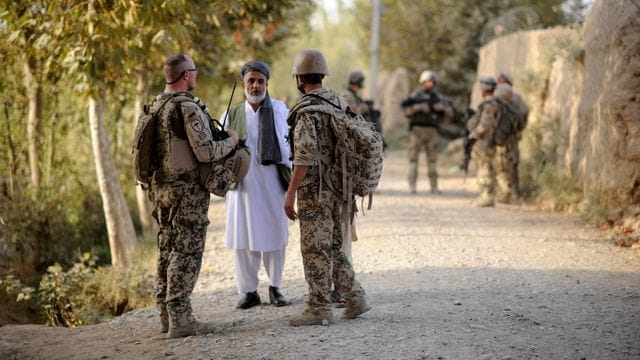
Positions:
(508, 122)
(358, 152)
(215, 176)
(145, 161)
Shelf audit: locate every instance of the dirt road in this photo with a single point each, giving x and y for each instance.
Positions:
(446, 281)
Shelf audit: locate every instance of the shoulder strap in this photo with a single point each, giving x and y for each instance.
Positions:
(321, 98)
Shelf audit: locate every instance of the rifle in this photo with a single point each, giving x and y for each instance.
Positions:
(467, 146)
(467, 143)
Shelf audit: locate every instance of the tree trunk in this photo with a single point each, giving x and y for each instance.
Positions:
(122, 236)
(11, 153)
(144, 205)
(34, 119)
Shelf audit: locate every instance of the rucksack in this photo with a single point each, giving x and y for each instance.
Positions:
(145, 160)
(508, 120)
(216, 177)
(358, 152)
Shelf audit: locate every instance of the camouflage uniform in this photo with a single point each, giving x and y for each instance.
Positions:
(481, 128)
(509, 156)
(425, 111)
(181, 204)
(355, 102)
(320, 212)
(523, 109)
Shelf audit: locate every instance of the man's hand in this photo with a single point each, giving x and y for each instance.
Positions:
(289, 208)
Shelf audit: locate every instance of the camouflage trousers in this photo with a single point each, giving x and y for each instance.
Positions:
(486, 175)
(507, 158)
(321, 247)
(423, 137)
(181, 211)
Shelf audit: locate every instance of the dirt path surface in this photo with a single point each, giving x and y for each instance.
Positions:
(446, 281)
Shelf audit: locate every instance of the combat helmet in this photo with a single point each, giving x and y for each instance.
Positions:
(426, 76)
(356, 77)
(488, 83)
(309, 61)
(219, 177)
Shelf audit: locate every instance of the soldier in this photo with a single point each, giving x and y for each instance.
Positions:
(184, 139)
(425, 110)
(257, 228)
(357, 103)
(481, 128)
(513, 151)
(319, 202)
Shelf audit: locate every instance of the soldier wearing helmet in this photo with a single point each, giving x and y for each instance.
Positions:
(481, 127)
(257, 228)
(320, 203)
(352, 95)
(511, 155)
(426, 110)
(357, 103)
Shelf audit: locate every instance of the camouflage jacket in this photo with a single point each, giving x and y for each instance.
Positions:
(312, 136)
(184, 139)
(482, 124)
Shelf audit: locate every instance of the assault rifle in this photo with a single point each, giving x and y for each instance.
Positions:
(373, 115)
(413, 100)
(467, 143)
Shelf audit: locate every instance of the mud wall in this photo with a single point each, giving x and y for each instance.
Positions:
(583, 87)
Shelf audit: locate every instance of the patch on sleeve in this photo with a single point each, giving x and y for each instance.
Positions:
(197, 125)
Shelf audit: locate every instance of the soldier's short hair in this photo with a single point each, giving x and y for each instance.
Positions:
(312, 78)
(174, 66)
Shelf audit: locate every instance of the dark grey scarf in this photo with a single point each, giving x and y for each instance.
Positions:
(268, 144)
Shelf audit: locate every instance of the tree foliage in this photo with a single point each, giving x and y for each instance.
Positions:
(444, 35)
(97, 48)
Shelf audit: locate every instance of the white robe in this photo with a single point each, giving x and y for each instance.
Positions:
(255, 210)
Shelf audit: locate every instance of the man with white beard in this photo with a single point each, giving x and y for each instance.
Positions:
(257, 228)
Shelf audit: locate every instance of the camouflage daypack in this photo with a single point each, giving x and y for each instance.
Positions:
(358, 152)
(145, 161)
(508, 120)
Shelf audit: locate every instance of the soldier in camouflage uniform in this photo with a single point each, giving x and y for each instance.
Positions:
(512, 151)
(425, 110)
(481, 127)
(183, 139)
(319, 206)
(507, 155)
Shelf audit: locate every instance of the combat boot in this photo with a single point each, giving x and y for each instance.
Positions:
(434, 185)
(504, 197)
(483, 201)
(164, 317)
(183, 324)
(355, 309)
(313, 317)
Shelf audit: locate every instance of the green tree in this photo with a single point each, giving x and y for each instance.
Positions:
(444, 35)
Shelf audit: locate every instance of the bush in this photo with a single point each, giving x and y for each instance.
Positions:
(42, 228)
(86, 294)
(60, 293)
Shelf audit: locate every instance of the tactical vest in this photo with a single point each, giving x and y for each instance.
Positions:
(432, 118)
(177, 160)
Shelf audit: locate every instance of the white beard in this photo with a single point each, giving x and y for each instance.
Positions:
(254, 99)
